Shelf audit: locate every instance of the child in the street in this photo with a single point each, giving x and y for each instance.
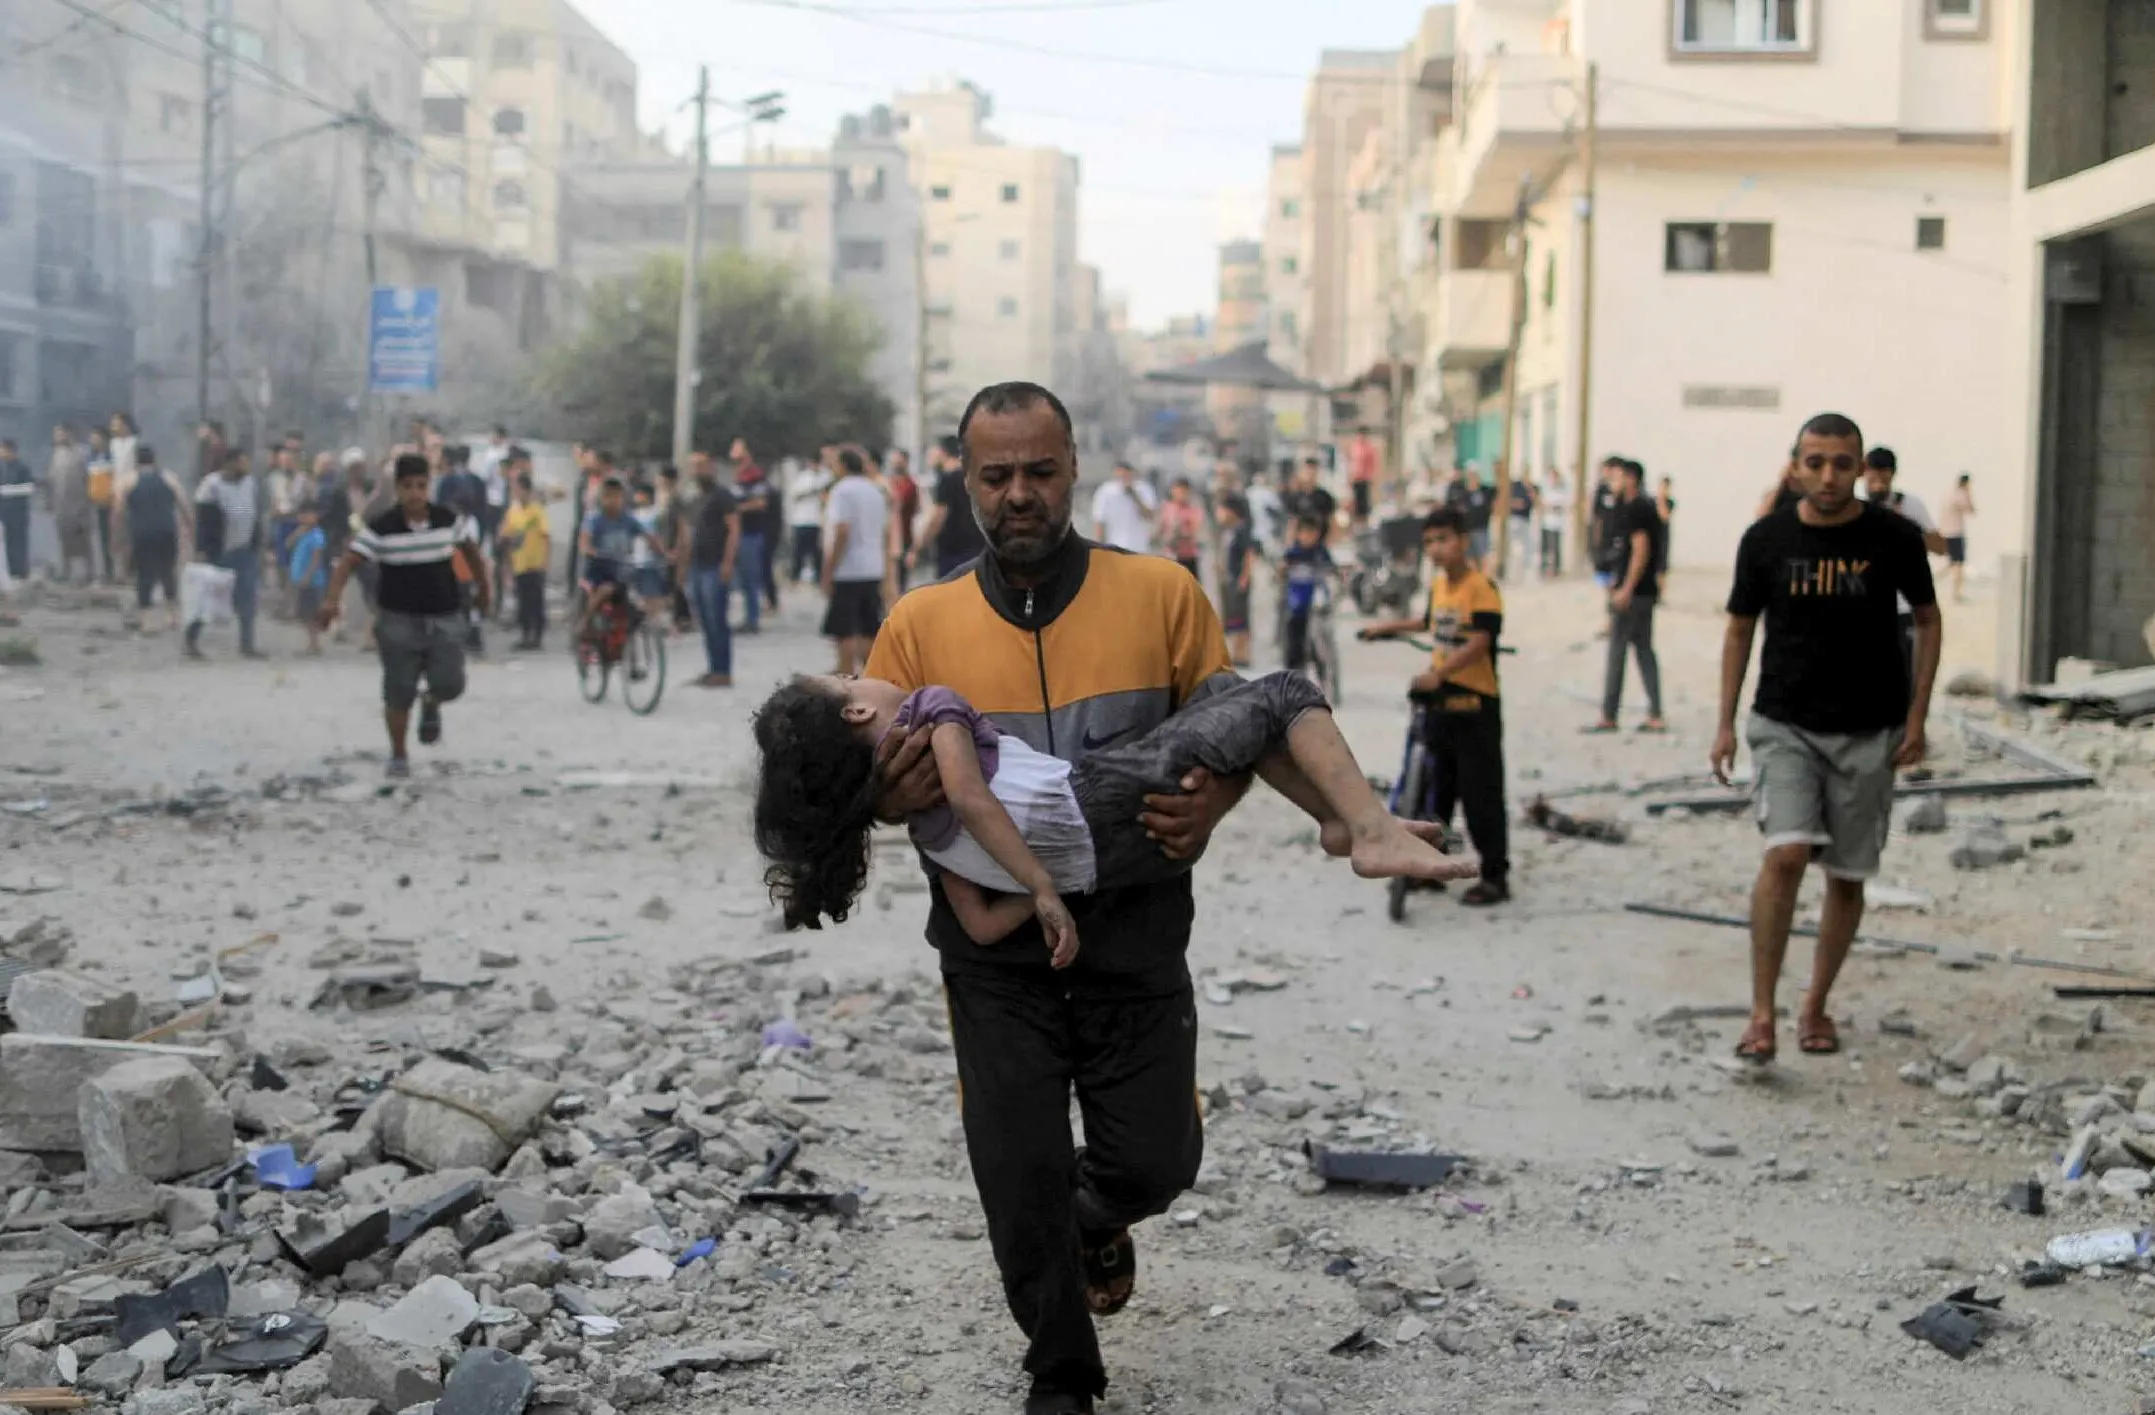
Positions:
(527, 539)
(1304, 569)
(1022, 828)
(1235, 565)
(308, 571)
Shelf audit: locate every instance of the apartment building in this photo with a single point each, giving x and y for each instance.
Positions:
(515, 93)
(101, 235)
(618, 217)
(1800, 205)
(1348, 98)
(1000, 264)
(1284, 241)
(879, 254)
(2078, 531)
(1239, 318)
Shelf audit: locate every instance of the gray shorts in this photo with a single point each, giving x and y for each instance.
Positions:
(1831, 791)
(415, 646)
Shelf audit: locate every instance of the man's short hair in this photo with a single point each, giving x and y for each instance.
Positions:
(613, 484)
(1445, 518)
(517, 454)
(145, 455)
(1631, 468)
(951, 447)
(999, 398)
(500, 430)
(669, 472)
(411, 464)
(1616, 460)
(851, 461)
(1236, 505)
(1881, 459)
(602, 456)
(456, 454)
(1309, 523)
(233, 456)
(1830, 425)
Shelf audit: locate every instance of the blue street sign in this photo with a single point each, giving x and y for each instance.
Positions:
(404, 339)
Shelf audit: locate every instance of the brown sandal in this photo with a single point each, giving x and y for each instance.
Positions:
(1110, 1268)
(1818, 1038)
(1757, 1046)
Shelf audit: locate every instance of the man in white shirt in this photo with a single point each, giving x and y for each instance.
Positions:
(855, 562)
(806, 482)
(1880, 466)
(1122, 511)
(1555, 516)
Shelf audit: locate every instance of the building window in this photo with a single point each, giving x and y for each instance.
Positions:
(1289, 265)
(1007, 307)
(1548, 283)
(451, 42)
(862, 256)
(174, 114)
(1290, 209)
(939, 249)
(509, 195)
(442, 117)
(446, 190)
(1956, 19)
(1010, 192)
(1744, 27)
(248, 46)
(513, 49)
(941, 193)
(1718, 247)
(1008, 250)
(1930, 233)
(786, 216)
(861, 183)
(509, 122)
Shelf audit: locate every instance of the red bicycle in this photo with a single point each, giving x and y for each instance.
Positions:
(622, 636)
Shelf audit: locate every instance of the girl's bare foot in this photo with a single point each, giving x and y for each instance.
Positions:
(1394, 850)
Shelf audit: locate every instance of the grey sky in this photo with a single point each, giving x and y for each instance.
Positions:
(1173, 150)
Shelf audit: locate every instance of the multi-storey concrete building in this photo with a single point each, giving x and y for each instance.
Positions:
(880, 255)
(1347, 98)
(1239, 318)
(1000, 260)
(2078, 527)
(1800, 205)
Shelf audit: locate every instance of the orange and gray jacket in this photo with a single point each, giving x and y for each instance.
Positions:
(1106, 647)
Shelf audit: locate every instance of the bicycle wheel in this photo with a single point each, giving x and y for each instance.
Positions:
(591, 671)
(643, 670)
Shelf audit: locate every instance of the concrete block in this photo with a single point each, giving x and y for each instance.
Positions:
(62, 1004)
(443, 1116)
(393, 1377)
(155, 1119)
(438, 1312)
(40, 1077)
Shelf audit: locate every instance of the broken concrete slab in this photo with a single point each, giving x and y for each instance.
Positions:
(40, 1077)
(62, 1004)
(715, 1356)
(435, 1313)
(611, 1227)
(393, 1377)
(526, 1257)
(156, 1119)
(440, 1115)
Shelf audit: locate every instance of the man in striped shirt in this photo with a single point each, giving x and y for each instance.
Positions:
(419, 627)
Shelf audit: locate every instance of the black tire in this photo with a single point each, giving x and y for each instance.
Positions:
(591, 673)
(643, 670)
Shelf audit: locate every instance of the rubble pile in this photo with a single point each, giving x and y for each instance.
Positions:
(569, 1220)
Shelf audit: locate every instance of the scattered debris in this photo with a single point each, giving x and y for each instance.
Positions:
(1957, 1325)
(1984, 847)
(1894, 945)
(2025, 1197)
(1374, 1170)
(1556, 822)
(2102, 1247)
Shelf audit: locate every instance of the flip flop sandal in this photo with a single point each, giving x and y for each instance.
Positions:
(1757, 1045)
(1599, 729)
(1820, 1038)
(1652, 729)
(1110, 1268)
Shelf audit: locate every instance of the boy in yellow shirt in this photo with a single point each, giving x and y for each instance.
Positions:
(528, 540)
(1464, 720)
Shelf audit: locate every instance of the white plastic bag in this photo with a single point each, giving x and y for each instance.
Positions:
(206, 594)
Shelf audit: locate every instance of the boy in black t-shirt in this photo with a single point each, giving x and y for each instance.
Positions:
(1235, 565)
(1637, 529)
(1835, 713)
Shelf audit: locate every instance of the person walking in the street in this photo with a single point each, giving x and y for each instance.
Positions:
(1463, 718)
(904, 516)
(1835, 714)
(1122, 511)
(1605, 540)
(463, 491)
(1024, 637)
(714, 539)
(854, 563)
(527, 540)
(1522, 521)
(751, 555)
(1182, 526)
(951, 530)
(1475, 500)
(1880, 466)
(1665, 504)
(18, 488)
(307, 571)
(99, 481)
(1362, 468)
(805, 485)
(232, 504)
(1238, 561)
(1555, 521)
(155, 525)
(1633, 600)
(67, 484)
(418, 629)
(1953, 525)
(124, 443)
(1308, 500)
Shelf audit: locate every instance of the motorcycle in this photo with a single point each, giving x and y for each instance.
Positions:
(1387, 575)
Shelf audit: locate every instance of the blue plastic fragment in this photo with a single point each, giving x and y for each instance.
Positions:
(701, 1248)
(785, 1032)
(276, 1167)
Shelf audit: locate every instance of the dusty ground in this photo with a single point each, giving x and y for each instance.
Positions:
(1773, 1280)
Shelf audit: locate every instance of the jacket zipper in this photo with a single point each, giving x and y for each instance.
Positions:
(1040, 659)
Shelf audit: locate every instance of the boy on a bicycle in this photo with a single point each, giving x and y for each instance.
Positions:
(1306, 568)
(607, 544)
(1461, 697)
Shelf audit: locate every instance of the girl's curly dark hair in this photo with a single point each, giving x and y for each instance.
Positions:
(815, 804)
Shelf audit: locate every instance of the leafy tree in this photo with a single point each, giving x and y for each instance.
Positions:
(782, 367)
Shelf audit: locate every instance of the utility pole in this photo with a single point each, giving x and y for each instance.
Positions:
(1500, 510)
(216, 117)
(1580, 509)
(684, 368)
(920, 330)
(372, 182)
